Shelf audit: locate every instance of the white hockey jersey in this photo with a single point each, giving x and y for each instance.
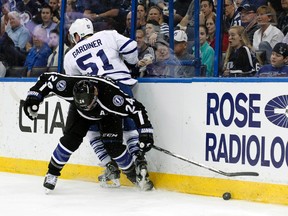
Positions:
(103, 54)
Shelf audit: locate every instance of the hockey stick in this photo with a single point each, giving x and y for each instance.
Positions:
(229, 174)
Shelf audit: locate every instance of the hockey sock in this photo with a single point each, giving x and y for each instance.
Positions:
(124, 161)
(132, 139)
(99, 149)
(59, 158)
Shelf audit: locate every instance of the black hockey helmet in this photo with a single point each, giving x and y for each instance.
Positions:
(84, 95)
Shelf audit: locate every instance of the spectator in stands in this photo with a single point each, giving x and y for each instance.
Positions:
(239, 58)
(101, 8)
(283, 17)
(39, 53)
(207, 10)
(276, 5)
(187, 24)
(189, 19)
(279, 60)
(155, 13)
(127, 30)
(256, 3)
(5, 9)
(146, 53)
(7, 51)
(211, 26)
(105, 9)
(19, 34)
(238, 3)
(79, 5)
(160, 3)
(124, 9)
(47, 22)
(267, 35)
(54, 45)
(232, 16)
(141, 10)
(71, 13)
(248, 19)
(55, 5)
(152, 32)
(142, 45)
(32, 8)
(13, 41)
(165, 64)
(206, 51)
(180, 8)
(180, 51)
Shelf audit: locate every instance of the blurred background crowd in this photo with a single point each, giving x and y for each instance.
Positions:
(254, 36)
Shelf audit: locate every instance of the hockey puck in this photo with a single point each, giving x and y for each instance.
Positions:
(226, 196)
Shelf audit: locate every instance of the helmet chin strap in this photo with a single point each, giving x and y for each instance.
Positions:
(95, 91)
(74, 38)
(93, 103)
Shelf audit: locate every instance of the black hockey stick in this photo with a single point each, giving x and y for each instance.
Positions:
(229, 174)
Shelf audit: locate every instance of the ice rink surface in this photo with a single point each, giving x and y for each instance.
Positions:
(24, 195)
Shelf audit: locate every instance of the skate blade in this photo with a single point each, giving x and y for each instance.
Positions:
(115, 183)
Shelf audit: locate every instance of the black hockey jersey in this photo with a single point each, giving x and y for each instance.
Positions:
(111, 99)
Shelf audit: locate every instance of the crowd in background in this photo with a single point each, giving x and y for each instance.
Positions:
(254, 35)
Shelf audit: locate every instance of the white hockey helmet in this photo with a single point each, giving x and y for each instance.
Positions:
(82, 27)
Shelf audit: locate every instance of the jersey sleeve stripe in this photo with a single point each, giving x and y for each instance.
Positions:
(117, 72)
(125, 53)
(125, 45)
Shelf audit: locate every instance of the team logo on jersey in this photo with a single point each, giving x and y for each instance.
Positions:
(118, 100)
(61, 85)
(276, 111)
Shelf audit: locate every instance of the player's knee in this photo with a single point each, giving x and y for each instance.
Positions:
(130, 136)
(114, 149)
(132, 140)
(129, 124)
(92, 135)
(71, 142)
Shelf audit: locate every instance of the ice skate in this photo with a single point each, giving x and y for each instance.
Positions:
(142, 176)
(50, 182)
(111, 176)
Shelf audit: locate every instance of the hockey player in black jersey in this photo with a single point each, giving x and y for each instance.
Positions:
(94, 99)
(103, 53)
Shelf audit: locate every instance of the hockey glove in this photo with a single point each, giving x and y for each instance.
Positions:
(146, 140)
(31, 104)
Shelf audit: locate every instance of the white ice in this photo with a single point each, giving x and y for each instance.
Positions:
(24, 195)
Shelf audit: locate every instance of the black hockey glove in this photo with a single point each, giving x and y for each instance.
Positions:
(31, 104)
(146, 140)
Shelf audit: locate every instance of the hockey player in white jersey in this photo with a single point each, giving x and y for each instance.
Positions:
(103, 53)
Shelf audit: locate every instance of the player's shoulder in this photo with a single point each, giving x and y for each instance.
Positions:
(104, 32)
(100, 77)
